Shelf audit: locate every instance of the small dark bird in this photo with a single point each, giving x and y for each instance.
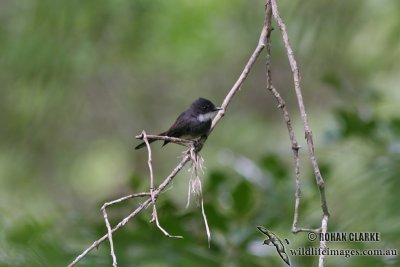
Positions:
(192, 123)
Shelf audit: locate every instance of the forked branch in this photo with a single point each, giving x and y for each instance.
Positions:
(271, 7)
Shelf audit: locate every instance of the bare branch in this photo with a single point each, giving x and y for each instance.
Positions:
(109, 234)
(144, 194)
(149, 163)
(286, 117)
(152, 195)
(322, 244)
(307, 130)
(109, 230)
(141, 207)
(297, 87)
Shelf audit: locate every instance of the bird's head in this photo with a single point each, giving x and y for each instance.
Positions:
(204, 109)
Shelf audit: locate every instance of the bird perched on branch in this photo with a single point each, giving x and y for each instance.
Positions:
(192, 123)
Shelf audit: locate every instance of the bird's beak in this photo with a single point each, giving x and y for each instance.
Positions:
(218, 108)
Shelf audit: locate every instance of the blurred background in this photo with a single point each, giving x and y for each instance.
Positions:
(79, 79)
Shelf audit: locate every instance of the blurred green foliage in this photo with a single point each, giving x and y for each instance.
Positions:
(80, 78)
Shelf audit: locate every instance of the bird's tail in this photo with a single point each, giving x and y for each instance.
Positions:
(143, 144)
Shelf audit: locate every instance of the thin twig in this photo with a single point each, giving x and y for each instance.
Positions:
(141, 207)
(144, 194)
(286, 116)
(322, 244)
(307, 130)
(109, 234)
(149, 163)
(109, 230)
(152, 195)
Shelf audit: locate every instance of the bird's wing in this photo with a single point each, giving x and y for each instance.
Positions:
(180, 126)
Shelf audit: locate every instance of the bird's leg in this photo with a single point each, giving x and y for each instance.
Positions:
(198, 144)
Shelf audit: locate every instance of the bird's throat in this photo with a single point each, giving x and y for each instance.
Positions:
(204, 117)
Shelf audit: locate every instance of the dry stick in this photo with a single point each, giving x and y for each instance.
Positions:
(149, 163)
(152, 195)
(103, 209)
(141, 207)
(286, 116)
(109, 234)
(153, 200)
(285, 113)
(308, 133)
(260, 46)
(109, 231)
(307, 130)
(144, 194)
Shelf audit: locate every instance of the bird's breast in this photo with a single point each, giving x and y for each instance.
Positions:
(199, 128)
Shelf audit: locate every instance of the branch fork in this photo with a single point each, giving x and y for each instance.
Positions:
(271, 9)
